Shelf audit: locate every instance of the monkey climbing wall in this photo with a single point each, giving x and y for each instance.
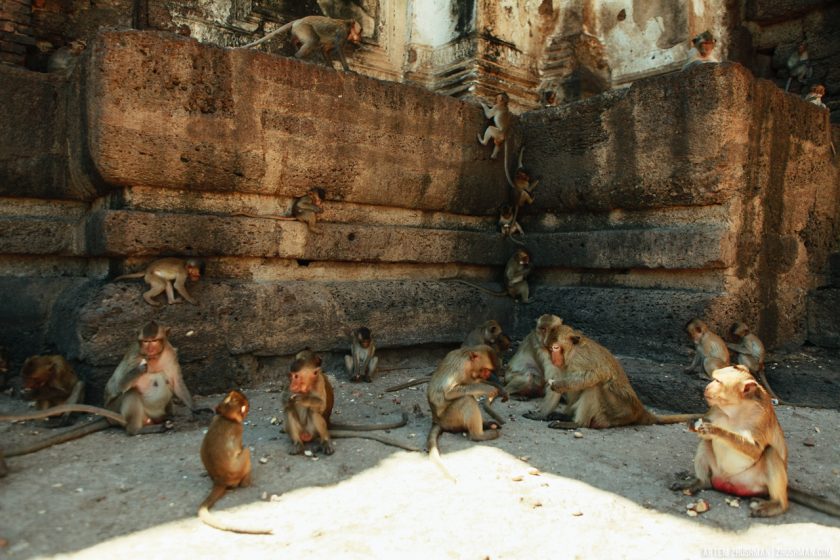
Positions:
(708, 193)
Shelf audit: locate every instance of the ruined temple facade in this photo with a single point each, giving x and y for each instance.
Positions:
(663, 194)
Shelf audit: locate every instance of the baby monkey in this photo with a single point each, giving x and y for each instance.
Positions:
(166, 274)
(361, 363)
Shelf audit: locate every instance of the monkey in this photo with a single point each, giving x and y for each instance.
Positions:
(226, 460)
(597, 390)
(64, 60)
(304, 209)
(522, 192)
(742, 449)
(457, 384)
(517, 270)
(710, 350)
(51, 381)
(508, 226)
(526, 373)
(749, 353)
(815, 95)
(497, 131)
(310, 405)
(319, 33)
(162, 273)
(361, 363)
(701, 52)
(798, 65)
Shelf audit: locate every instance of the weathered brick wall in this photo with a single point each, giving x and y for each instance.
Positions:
(16, 32)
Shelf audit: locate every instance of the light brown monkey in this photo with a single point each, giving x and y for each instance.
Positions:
(162, 274)
(702, 51)
(798, 65)
(500, 113)
(743, 450)
(362, 361)
(321, 34)
(51, 381)
(64, 60)
(508, 226)
(749, 352)
(815, 95)
(227, 462)
(598, 392)
(304, 209)
(526, 373)
(522, 188)
(710, 350)
(517, 270)
(310, 405)
(145, 381)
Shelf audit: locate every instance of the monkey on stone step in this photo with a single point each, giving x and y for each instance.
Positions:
(319, 34)
(227, 461)
(508, 226)
(304, 209)
(517, 270)
(164, 274)
(742, 449)
(522, 187)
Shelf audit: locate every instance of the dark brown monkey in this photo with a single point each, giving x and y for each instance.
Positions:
(522, 192)
(304, 209)
(508, 226)
(310, 405)
(162, 273)
(497, 131)
(227, 462)
(489, 333)
(321, 34)
(743, 450)
(526, 373)
(51, 381)
(361, 363)
(598, 393)
(517, 270)
(710, 350)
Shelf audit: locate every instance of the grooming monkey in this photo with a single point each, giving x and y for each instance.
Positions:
(361, 363)
(508, 226)
(51, 381)
(710, 350)
(163, 274)
(310, 405)
(227, 462)
(304, 209)
(598, 392)
(527, 371)
(321, 34)
(742, 449)
(517, 270)
(501, 124)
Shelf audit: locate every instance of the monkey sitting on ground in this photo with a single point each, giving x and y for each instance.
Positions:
(743, 450)
(304, 209)
(227, 462)
(597, 390)
(501, 124)
(517, 270)
(526, 373)
(749, 352)
(51, 381)
(361, 363)
(710, 350)
(319, 33)
(161, 274)
(310, 405)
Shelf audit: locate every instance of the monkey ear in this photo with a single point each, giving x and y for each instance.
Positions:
(749, 388)
(166, 331)
(575, 339)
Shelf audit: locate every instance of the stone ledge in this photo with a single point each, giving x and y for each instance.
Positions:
(38, 236)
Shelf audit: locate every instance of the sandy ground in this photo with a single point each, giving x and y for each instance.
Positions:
(533, 493)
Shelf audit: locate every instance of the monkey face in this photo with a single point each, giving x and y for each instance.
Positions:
(151, 347)
(302, 381)
(560, 342)
(730, 385)
(36, 373)
(481, 365)
(193, 272)
(355, 35)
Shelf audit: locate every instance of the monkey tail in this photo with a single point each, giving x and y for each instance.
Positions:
(132, 275)
(380, 439)
(371, 427)
(68, 435)
(813, 501)
(204, 514)
(482, 288)
(434, 452)
(507, 171)
(409, 383)
(269, 36)
(64, 408)
(673, 418)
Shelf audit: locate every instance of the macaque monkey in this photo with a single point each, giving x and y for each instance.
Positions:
(710, 350)
(227, 462)
(526, 373)
(310, 405)
(304, 209)
(490, 334)
(64, 60)
(163, 274)
(319, 33)
(701, 52)
(522, 187)
(742, 449)
(798, 65)
(361, 363)
(517, 270)
(501, 124)
(815, 95)
(51, 381)
(508, 226)
(598, 392)
(749, 352)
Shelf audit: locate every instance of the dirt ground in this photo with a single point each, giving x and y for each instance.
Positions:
(532, 493)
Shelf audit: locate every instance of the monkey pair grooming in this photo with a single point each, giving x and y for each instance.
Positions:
(742, 449)
(164, 274)
(310, 405)
(319, 34)
(517, 269)
(304, 209)
(526, 373)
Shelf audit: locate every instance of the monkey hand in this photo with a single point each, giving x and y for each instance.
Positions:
(704, 428)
